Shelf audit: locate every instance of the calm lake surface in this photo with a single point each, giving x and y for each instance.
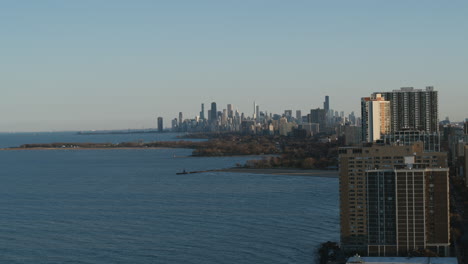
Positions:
(129, 206)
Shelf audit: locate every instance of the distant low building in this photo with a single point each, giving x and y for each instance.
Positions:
(311, 128)
(247, 127)
(353, 135)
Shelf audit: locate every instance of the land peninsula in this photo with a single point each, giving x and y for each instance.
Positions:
(278, 151)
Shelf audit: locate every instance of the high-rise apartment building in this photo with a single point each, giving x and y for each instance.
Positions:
(413, 117)
(160, 124)
(408, 209)
(413, 109)
(376, 114)
(394, 200)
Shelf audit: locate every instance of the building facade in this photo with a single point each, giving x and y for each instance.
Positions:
(352, 135)
(431, 140)
(465, 165)
(393, 200)
(376, 117)
(318, 116)
(408, 209)
(413, 109)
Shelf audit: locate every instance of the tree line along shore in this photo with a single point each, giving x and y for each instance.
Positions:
(279, 152)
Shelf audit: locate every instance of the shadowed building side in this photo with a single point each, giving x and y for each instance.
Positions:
(393, 200)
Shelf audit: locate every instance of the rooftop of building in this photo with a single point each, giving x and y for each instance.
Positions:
(415, 147)
(411, 89)
(402, 260)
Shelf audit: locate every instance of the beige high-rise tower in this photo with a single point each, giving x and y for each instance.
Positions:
(376, 117)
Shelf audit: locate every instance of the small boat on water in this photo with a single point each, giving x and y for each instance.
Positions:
(192, 172)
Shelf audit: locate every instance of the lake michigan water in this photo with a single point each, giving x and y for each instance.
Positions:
(129, 206)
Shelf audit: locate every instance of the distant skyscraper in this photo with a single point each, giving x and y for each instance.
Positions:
(202, 112)
(230, 111)
(298, 115)
(326, 104)
(174, 124)
(160, 124)
(224, 117)
(465, 127)
(283, 126)
(257, 112)
(254, 115)
(214, 113)
(352, 118)
(318, 116)
(180, 119)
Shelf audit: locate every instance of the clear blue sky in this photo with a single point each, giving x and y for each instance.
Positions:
(75, 65)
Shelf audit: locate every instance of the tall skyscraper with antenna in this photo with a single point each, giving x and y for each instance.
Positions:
(202, 112)
(254, 116)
